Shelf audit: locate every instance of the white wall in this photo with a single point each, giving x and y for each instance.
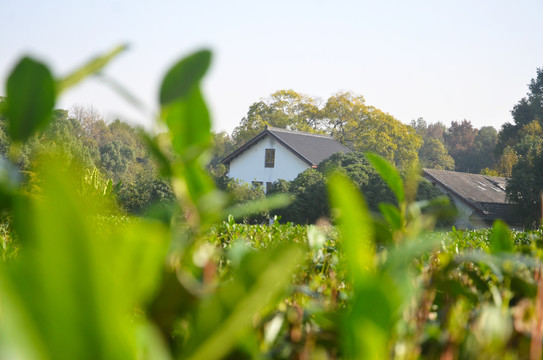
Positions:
(249, 165)
(466, 217)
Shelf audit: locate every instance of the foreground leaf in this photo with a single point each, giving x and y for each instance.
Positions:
(224, 318)
(30, 98)
(70, 293)
(91, 67)
(389, 174)
(500, 239)
(184, 76)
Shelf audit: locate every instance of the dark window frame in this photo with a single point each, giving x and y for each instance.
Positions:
(269, 158)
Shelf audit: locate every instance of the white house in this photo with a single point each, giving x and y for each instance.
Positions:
(479, 199)
(279, 154)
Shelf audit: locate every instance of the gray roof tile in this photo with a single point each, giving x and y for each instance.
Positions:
(486, 194)
(312, 148)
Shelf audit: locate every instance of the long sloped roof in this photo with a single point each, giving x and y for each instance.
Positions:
(486, 194)
(311, 148)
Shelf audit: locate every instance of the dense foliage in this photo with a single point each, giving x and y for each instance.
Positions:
(115, 149)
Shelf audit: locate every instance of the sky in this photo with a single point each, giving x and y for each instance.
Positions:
(441, 60)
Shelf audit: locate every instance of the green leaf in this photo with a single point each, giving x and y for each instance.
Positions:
(257, 206)
(189, 124)
(482, 258)
(500, 240)
(180, 80)
(70, 293)
(368, 323)
(392, 215)
(355, 225)
(91, 67)
(30, 98)
(389, 174)
(223, 319)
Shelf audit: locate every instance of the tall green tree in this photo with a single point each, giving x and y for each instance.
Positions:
(525, 186)
(344, 116)
(526, 111)
(365, 128)
(460, 143)
(523, 142)
(432, 153)
(484, 144)
(284, 109)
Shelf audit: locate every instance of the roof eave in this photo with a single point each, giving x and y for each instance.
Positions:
(243, 147)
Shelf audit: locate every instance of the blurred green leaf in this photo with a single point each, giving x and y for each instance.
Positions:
(355, 225)
(189, 124)
(91, 67)
(367, 324)
(479, 257)
(30, 98)
(183, 77)
(224, 318)
(70, 293)
(275, 201)
(500, 240)
(389, 174)
(392, 215)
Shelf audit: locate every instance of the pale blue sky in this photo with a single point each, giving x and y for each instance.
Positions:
(441, 60)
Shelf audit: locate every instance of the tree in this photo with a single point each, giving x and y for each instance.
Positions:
(365, 128)
(507, 160)
(432, 153)
(345, 117)
(526, 111)
(526, 184)
(309, 188)
(284, 109)
(484, 145)
(460, 143)
(523, 142)
(310, 199)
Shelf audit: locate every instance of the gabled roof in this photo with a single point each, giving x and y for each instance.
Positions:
(485, 194)
(311, 148)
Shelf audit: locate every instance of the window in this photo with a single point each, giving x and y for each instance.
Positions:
(257, 184)
(270, 158)
(268, 187)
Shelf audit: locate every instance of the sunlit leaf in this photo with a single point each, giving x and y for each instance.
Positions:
(93, 66)
(389, 174)
(500, 240)
(355, 224)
